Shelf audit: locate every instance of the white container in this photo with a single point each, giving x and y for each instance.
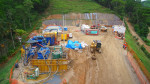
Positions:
(37, 72)
(70, 35)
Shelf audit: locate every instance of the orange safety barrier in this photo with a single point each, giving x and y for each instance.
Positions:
(137, 67)
(11, 73)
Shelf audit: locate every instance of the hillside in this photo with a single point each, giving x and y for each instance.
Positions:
(75, 6)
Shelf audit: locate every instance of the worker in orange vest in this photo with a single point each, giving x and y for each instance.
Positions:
(125, 45)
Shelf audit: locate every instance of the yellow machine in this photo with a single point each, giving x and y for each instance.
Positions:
(64, 37)
(49, 34)
(22, 52)
(95, 46)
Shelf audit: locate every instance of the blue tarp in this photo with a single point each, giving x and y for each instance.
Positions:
(73, 45)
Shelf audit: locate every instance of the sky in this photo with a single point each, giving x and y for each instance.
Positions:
(143, 0)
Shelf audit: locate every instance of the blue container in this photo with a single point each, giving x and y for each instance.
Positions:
(65, 29)
(51, 39)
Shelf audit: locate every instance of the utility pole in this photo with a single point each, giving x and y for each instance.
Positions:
(63, 31)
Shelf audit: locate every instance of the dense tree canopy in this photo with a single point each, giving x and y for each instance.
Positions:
(17, 14)
(138, 14)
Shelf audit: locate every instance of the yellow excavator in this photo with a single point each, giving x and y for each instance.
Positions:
(95, 46)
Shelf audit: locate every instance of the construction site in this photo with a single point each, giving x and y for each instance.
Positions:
(74, 48)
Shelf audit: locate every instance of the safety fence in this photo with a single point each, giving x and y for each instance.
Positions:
(137, 68)
(86, 16)
(77, 22)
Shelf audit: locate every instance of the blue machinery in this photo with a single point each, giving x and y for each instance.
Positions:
(37, 43)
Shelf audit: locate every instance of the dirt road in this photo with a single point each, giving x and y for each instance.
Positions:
(131, 28)
(109, 68)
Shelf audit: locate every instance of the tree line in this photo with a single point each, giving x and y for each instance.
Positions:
(138, 14)
(17, 16)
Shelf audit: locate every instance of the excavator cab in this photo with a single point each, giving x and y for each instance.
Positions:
(96, 46)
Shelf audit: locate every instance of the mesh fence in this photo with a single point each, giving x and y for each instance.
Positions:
(93, 18)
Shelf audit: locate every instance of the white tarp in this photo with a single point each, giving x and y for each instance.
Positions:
(84, 27)
(119, 29)
(83, 44)
(52, 29)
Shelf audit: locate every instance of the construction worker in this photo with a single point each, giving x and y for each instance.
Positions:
(22, 52)
(125, 45)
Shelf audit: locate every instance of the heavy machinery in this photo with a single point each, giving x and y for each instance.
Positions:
(94, 27)
(95, 46)
(121, 35)
(43, 53)
(103, 28)
(32, 73)
(29, 53)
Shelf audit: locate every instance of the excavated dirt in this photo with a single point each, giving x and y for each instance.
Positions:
(109, 66)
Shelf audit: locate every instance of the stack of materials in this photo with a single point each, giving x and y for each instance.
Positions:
(119, 29)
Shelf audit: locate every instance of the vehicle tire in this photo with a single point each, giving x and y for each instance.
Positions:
(91, 50)
(99, 50)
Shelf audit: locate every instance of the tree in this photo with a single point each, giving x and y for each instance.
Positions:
(118, 6)
(28, 4)
(20, 9)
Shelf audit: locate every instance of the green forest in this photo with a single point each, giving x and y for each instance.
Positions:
(17, 18)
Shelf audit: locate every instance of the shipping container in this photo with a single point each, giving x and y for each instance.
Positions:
(92, 32)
